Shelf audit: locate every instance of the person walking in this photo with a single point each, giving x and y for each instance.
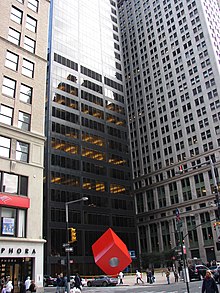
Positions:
(168, 276)
(138, 277)
(120, 276)
(60, 284)
(27, 283)
(9, 286)
(78, 282)
(209, 284)
(176, 276)
(32, 287)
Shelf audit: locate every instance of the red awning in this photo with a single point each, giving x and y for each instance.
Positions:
(14, 201)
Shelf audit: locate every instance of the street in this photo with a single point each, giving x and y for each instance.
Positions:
(180, 287)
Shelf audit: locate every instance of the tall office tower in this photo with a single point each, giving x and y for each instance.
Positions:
(171, 54)
(87, 152)
(23, 52)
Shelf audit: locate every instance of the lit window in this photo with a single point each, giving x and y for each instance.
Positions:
(6, 114)
(5, 144)
(31, 24)
(27, 68)
(29, 44)
(11, 60)
(22, 151)
(24, 121)
(33, 5)
(16, 15)
(26, 94)
(14, 36)
(8, 87)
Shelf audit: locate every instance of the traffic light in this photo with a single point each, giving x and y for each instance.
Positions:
(72, 235)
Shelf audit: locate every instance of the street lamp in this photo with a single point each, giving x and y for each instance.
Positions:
(67, 238)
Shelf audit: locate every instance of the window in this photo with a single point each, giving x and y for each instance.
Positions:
(14, 184)
(14, 36)
(11, 60)
(33, 5)
(26, 94)
(8, 87)
(31, 24)
(22, 151)
(21, 1)
(6, 114)
(16, 15)
(28, 68)
(13, 222)
(5, 144)
(24, 120)
(29, 44)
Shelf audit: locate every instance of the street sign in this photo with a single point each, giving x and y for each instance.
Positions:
(66, 245)
(69, 249)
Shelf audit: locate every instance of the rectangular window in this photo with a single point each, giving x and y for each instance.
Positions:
(14, 36)
(24, 121)
(5, 145)
(29, 44)
(6, 114)
(31, 24)
(28, 68)
(8, 87)
(33, 5)
(22, 151)
(26, 94)
(11, 60)
(14, 184)
(16, 15)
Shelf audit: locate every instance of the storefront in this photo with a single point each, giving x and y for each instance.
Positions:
(19, 259)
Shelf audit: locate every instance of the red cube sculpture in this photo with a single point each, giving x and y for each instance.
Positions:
(110, 253)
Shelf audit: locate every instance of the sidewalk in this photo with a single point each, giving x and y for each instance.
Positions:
(130, 280)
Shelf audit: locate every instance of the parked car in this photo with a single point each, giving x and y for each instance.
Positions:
(197, 272)
(49, 281)
(72, 281)
(213, 269)
(102, 281)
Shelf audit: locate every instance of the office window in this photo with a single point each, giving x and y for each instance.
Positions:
(31, 23)
(6, 114)
(28, 68)
(14, 36)
(22, 151)
(33, 5)
(11, 60)
(14, 184)
(29, 44)
(21, 1)
(16, 15)
(8, 87)
(24, 120)
(26, 94)
(5, 144)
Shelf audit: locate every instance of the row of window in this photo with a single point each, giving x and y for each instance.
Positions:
(14, 149)
(17, 16)
(9, 89)
(12, 60)
(32, 4)
(14, 37)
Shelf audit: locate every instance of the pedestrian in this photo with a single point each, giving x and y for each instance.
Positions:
(78, 282)
(3, 289)
(168, 276)
(138, 277)
(150, 276)
(9, 286)
(120, 276)
(176, 276)
(60, 284)
(209, 284)
(32, 287)
(2, 282)
(22, 287)
(27, 283)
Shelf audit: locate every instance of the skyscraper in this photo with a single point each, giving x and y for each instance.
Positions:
(87, 151)
(23, 52)
(171, 54)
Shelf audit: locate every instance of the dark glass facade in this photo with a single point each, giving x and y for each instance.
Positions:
(87, 152)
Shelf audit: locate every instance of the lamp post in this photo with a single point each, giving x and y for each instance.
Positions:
(67, 238)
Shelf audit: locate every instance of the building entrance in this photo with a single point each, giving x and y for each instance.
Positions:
(18, 269)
